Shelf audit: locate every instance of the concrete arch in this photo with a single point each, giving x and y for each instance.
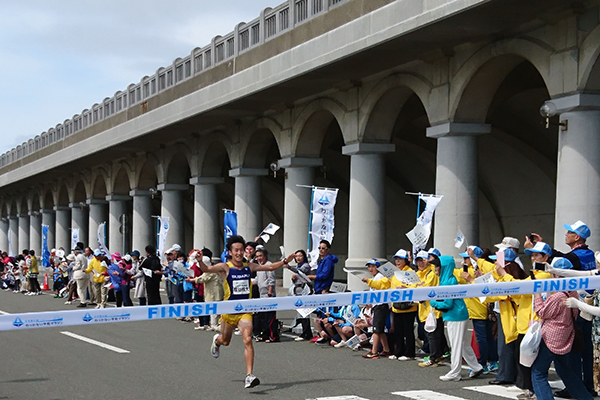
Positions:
(145, 174)
(174, 164)
(47, 197)
(63, 194)
(473, 87)
(100, 183)
(249, 147)
(381, 106)
(118, 183)
(311, 124)
(589, 64)
(212, 157)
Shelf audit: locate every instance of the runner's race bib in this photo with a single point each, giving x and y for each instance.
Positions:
(241, 287)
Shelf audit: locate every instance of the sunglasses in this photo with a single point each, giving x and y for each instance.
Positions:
(322, 248)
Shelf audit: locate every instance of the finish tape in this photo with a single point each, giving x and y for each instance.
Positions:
(51, 319)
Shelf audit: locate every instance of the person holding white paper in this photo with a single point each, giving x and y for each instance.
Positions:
(99, 270)
(301, 286)
(380, 312)
(402, 339)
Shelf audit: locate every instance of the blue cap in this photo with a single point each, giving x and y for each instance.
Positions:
(434, 251)
(476, 250)
(401, 254)
(579, 228)
(135, 253)
(509, 255)
(97, 252)
(561, 263)
(540, 247)
(373, 261)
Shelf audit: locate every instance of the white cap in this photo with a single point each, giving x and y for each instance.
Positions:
(422, 254)
(206, 260)
(508, 242)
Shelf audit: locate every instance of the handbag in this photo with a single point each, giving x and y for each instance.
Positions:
(431, 322)
(530, 345)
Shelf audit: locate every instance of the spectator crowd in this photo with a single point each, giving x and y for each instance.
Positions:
(436, 331)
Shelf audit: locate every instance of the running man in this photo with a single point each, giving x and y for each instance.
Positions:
(237, 286)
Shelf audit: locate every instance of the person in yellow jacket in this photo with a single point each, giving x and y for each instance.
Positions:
(507, 328)
(524, 311)
(429, 274)
(478, 313)
(402, 338)
(98, 267)
(380, 312)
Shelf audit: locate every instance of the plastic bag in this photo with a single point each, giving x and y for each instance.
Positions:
(530, 345)
(431, 322)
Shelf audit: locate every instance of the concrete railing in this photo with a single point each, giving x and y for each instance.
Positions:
(271, 23)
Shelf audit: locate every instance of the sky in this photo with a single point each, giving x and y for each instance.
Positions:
(59, 57)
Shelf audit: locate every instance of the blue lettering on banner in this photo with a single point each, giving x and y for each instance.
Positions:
(37, 323)
(561, 285)
(299, 303)
(501, 291)
(447, 295)
(182, 310)
(316, 303)
(255, 308)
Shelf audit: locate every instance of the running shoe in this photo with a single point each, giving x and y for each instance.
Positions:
(214, 350)
(370, 355)
(385, 354)
(340, 344)
(475, 374)
(251, 381)
(404, 358)
(450, 378)
(493, 367)
(299, 339)
(526, 395)
(322, 341)
(428, 363)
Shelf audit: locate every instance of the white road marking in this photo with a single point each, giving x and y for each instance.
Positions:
(95, 342)
(4, 312)
(426, 395)
(510, 392)
(339, 398)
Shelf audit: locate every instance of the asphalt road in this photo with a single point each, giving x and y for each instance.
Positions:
(169, 359)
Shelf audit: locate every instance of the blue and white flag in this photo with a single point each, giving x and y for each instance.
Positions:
(163, 223)
(322, 220)
(101, 239)
(460, 239)
(74, 237)
(11, 252)
(230, 225)
(45, 250)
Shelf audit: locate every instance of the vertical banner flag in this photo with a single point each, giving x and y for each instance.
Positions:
(11, 252)
(230, 225)
(322, 220)
(74, 237)
(163, 223)
(460, 239)
(419, 235)
(101, 239)
(45, 250)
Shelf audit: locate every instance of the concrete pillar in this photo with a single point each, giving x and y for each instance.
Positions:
(35, 232)
(49, 218)
(80, 220)
(578, 167)
(23, 232)
(296, 214)
(172, 207)
(4, 234)
(248, 200)
(142, 222)
(206, 214)
(98, 214)
(366, 223)
(13, 235)
(456, 180)
(63, 225)
(117, 207)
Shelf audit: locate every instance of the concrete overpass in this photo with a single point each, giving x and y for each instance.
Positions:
(375, 97)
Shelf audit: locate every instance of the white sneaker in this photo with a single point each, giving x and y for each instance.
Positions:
(98, 306)
(237, 332)
(404, 358)
(214, 349)
(251, 381)
(340, 344)
(447, 378)
(67, 302)
(299, 339)
(199, 328)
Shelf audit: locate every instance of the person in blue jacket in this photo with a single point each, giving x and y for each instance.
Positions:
(325, 269)
(456, 316)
